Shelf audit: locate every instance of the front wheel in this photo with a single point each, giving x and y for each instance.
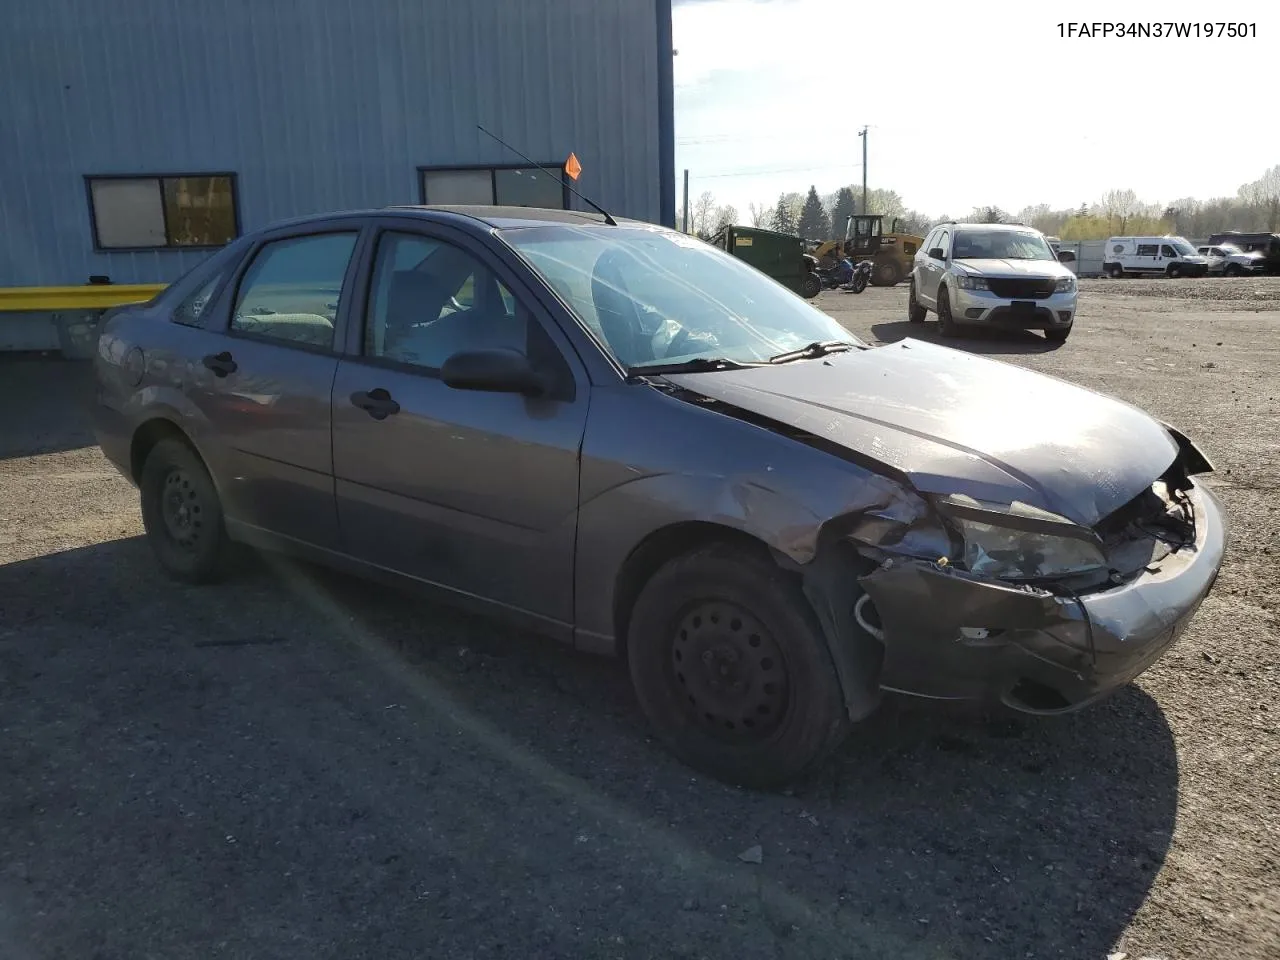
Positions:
(859, 283)
(732, 670)
(182, 514)
(949, 326)
(1175, 272)
(1233, 270)
(810, 286)
(1057, 335)
(885, 273)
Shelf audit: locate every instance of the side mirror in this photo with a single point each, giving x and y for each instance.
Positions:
(935, 253)
(1066, 256)
(495, 370)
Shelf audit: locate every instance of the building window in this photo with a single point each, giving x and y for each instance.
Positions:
(504, 186)
(132, 213)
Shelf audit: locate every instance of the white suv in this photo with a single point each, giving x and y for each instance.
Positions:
(992, 275)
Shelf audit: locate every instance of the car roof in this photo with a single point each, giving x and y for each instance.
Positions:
(1011, 227)
(488, 217)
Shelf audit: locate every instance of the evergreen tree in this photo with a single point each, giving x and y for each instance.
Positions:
(841, 211)
(782, 220)
(813, 224)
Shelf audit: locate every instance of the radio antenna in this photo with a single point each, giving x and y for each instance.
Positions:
(591, 203)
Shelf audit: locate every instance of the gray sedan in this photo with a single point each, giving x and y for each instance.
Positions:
(627, 439)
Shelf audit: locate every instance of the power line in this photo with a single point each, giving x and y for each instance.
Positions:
(766, 171)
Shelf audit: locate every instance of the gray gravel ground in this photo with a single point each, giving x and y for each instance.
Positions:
(291, 765)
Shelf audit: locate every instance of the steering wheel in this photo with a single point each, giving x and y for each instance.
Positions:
(681, 340)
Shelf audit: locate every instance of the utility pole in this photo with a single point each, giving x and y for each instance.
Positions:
(863, 134)
(686, 199)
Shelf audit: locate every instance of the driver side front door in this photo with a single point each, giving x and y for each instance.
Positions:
(473, 491)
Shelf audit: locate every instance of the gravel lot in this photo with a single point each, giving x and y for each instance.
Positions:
(291, 765)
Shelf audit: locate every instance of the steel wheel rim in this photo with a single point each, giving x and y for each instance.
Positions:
(181, 510)
(729, 672)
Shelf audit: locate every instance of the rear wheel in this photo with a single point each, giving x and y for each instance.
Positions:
(182, 514)
(811, 286)
(885, 273)
(915, 312)
(949, 326)
(732, 670)
(1115, 271)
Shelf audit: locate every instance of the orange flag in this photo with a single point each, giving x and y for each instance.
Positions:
(572, 167)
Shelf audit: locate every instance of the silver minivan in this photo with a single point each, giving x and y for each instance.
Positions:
(992, 275)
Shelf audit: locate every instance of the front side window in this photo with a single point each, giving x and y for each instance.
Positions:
(131, 213)
(1168, 251)
(505, 186)
(656, 296)
(291, 290)
(1001, 245)
(430, 300)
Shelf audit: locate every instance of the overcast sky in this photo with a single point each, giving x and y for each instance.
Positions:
(971, 103)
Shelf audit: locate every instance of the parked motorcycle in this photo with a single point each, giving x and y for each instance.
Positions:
(846, 276)
(861, 277)
(837, 275)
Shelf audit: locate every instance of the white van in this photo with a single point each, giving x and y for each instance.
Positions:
(1153, 256)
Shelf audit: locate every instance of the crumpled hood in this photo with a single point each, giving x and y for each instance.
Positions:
(952, 422)
(1014, 268)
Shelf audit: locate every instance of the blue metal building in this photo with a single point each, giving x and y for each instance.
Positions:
(138, 134)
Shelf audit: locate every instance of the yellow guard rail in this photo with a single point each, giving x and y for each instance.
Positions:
(91, 296)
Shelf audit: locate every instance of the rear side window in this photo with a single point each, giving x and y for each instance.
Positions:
(291, 290)
(1147, 249)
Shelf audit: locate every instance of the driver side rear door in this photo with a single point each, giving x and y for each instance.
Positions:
(472, 491)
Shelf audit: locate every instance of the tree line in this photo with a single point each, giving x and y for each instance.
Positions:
(813, 216)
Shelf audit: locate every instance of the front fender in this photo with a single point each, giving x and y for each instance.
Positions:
(651, 459)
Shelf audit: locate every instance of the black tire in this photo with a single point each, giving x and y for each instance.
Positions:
(1233, 270)
(915, 312)
(183, 515)
(1057, 334)
(885, 273)
(949, 326)
(1174, 272)
(810, 286)
(1115, 271)
(763, 705)
(859, 283)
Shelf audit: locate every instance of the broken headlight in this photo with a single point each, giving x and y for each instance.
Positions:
(1021, 542)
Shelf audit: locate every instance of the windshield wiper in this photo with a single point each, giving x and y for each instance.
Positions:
(819, 348)
(692, 365)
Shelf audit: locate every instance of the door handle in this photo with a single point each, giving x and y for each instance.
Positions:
(376, 402)
(220, 363)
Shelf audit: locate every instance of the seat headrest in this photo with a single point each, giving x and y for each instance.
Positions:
(413, 296)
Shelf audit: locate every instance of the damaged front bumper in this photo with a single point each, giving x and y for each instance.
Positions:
(951, 635)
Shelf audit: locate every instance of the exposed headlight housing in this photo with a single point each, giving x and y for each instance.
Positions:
(1017, 541)
(967, 281)
(1064, 285)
